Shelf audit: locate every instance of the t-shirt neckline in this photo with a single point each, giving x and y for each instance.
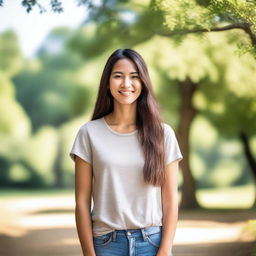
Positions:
(115, 132)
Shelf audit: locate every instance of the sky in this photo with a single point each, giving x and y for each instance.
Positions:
(33, 27)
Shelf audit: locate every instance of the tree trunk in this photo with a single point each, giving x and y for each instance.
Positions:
(187, 113)
(250, 159)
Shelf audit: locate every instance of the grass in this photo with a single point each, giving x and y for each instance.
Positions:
(227, 198)
(251, 227)
(13, 193)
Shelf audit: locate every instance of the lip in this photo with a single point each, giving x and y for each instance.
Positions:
(125, 91)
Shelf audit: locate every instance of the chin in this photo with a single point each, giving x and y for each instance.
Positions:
(126, 102)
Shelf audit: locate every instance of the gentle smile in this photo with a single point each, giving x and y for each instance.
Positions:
(126, 93)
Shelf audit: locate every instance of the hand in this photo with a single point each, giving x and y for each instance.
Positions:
(164, 252)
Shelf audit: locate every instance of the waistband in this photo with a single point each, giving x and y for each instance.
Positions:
(147, 230)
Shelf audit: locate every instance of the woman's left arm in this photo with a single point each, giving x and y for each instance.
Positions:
(170, 208)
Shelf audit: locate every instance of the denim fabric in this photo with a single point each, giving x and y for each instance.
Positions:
(129, 242)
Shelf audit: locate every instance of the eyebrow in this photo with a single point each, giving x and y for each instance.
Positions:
(122, 72)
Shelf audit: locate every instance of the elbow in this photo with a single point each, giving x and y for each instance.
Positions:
(82, 205)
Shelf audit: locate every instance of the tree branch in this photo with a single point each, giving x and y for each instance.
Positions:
(244, 26)
(252, 36)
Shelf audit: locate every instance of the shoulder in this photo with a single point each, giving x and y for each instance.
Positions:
(168, 129)
(89, 126)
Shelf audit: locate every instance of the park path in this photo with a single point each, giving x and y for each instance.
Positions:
(45, 225)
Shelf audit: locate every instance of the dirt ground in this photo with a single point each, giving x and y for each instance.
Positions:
(41, 225)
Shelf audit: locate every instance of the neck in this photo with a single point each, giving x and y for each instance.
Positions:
(124, 115)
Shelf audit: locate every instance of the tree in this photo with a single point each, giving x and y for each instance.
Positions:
(15, 125)
(49, 91)
(172, 19)
(225, 85)
(191, 16)
(181, 17)
(57, 97)
(236, 113)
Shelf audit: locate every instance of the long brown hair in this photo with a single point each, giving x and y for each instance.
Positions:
(148, 118)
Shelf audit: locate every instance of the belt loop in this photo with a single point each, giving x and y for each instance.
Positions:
(114, 235)
(143, 234)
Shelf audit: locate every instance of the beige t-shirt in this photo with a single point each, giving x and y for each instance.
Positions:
(121, 200)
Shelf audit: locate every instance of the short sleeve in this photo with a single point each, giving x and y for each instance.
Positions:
(81, 145)
(172, 149)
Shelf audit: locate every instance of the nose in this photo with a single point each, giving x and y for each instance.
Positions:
(127, 82)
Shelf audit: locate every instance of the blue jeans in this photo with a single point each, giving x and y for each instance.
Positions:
(129, 242)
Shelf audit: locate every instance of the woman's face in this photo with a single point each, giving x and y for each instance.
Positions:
(124, 82)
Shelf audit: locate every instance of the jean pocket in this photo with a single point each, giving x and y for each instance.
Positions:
(155, 239)
(102, 240)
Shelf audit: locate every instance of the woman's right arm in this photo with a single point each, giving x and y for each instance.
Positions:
(83, 190)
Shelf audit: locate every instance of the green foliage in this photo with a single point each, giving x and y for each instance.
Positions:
(11, 60)
(183, 17)
(47, 91)
(11, 111)
(56, 5)
(225, 99)
(51, 91)
(179, 18)
(6, 87)
(116, 31)
(250, 228)
(57, 95)
(234, 11)
(12, 114)
(226, 86)
(188, 14)
(231, 101)
(56, 98)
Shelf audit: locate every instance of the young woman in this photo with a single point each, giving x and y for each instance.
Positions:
(127, 159)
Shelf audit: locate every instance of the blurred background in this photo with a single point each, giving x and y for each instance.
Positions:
(201, 59)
